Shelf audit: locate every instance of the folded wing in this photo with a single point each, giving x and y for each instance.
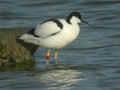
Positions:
(48, 28)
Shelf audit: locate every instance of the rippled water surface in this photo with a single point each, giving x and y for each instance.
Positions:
(92, 62)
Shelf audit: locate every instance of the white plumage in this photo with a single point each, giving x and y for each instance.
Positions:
(55, 33)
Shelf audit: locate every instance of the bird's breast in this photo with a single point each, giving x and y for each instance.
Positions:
(69, 34)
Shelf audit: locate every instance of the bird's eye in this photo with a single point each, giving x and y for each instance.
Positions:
(80, 17)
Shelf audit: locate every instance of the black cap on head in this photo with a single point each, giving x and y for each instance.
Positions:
(76, 14)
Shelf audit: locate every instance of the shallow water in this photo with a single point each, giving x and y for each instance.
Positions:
(90, 63)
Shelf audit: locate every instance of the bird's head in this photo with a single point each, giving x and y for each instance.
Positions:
(75, 18)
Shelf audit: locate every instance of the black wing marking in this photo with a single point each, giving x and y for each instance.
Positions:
(52, 34)
(59, 24)
(32, 32)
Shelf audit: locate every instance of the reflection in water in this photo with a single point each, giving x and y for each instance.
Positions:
(60, 79)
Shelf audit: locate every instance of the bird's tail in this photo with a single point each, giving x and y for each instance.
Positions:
(27, 42)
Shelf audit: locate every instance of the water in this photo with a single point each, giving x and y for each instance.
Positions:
(90, 63)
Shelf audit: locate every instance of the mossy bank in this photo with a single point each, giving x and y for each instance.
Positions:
(13, 55)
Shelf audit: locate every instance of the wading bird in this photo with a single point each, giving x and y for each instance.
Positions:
(54, 33)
